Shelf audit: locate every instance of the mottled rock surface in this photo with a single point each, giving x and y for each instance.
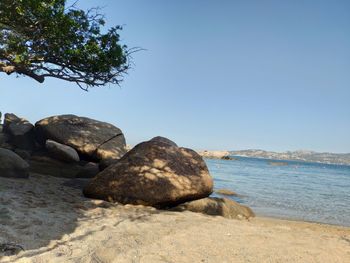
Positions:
(155, 173)
(91, 138)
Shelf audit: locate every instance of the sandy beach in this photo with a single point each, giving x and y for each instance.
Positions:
(50, 219)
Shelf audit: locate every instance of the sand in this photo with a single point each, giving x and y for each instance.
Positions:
(53, 222)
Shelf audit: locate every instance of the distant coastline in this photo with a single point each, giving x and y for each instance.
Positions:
(304, 156)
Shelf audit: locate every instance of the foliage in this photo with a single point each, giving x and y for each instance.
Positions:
(43, 39)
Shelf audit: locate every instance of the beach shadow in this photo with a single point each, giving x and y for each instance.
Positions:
(39, 214)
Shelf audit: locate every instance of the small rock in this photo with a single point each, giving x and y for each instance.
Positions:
(9, 249)
(227, 157)
(226, 192)
(42, 164)
(12, 165)
(62, 152)
(20, 130)
(89, 170)
(218, 207)
(23, 153)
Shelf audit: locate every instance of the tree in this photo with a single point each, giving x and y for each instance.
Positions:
(41, 39)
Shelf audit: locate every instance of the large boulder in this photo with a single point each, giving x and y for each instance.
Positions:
(20, 131)
(94, 140)
(62, 152)
(11, 165)
(218, 207)
(155, 173)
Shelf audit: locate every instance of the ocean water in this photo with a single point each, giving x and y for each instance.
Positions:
(299, 190)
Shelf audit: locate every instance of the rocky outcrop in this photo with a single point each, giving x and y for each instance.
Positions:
(11, 165)
(20, 132)
(94, 140)
(62, 152)
(155, 173)
(217, 206)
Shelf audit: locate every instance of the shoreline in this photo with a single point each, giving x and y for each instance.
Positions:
(212, 157)
(272, 217)
(53, 222)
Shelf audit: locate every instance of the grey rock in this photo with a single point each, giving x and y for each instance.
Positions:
(218, 207)
(89, 170)
(12, 165)
(23, 153)
(4, 138)
(62, 152)
(42, 164)
(20, 131)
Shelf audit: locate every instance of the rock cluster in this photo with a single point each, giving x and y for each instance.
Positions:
(156, 173)
(63, 146)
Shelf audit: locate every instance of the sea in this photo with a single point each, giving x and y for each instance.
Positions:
(293, 190)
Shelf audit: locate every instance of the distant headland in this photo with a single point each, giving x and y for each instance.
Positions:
(305, 156)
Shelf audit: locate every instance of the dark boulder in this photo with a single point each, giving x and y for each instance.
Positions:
(20, 131)
(89, 170)
(43, 164)
(62, 152)
(12, 165)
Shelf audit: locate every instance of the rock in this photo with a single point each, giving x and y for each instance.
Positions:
(226, 192)
(11, 165)
(10, 249)
(163, 140)
(213, 154)
(23, 153)
(8, 146)
(89, 170)
(4, 138)
(20, 131)
(218, 207)
(105, 163)
(93, 139)
(155, 173)
(62, 152)
(227, 157)
(45, 165)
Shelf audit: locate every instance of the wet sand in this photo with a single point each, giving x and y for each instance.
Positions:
(53, 222)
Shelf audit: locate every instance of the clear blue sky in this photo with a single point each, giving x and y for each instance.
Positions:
(217, 75)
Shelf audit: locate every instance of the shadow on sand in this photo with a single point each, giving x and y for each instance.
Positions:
(39, 213)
